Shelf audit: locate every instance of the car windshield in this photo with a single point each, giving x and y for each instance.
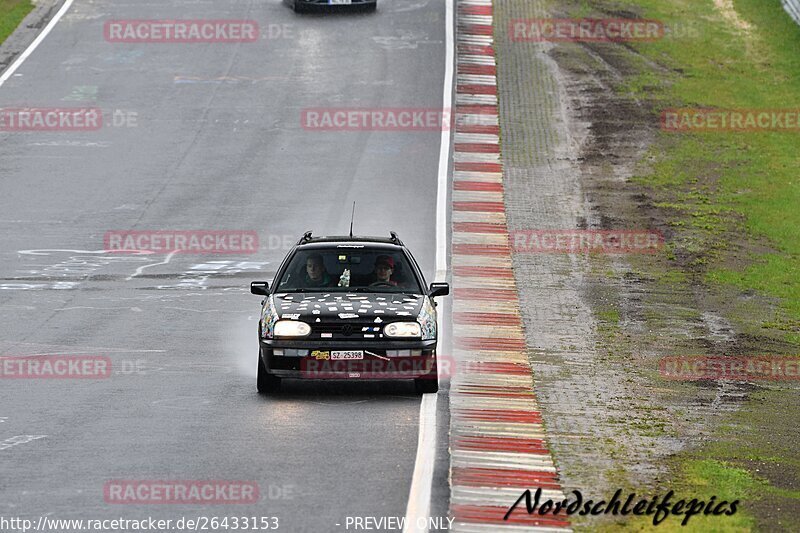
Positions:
(348, 269)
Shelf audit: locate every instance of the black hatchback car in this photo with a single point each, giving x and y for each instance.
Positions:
(349, 308)
(302, 5)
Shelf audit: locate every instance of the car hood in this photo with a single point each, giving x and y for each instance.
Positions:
(363, 307)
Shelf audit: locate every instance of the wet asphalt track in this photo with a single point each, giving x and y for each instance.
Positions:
(217, 145)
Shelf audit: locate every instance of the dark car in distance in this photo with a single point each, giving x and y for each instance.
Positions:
(303, 5)
(348, 308)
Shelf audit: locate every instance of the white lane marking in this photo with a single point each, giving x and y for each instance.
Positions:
(135, 309)
(444, 151)
(419, 497)
(46, 251)
(141, 268)
(19, 439)
(36, 42)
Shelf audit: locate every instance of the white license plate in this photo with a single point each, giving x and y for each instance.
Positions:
(347, 355)
(340, 2)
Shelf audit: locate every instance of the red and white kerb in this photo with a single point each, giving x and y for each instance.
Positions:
(497, 442)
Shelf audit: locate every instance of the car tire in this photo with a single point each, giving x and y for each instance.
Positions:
(370, 8)
(266, 382)
(299, 8)
(426, 385)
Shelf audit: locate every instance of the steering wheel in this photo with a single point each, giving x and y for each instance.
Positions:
(380, 284)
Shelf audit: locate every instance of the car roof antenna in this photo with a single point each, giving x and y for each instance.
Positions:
(352, 216)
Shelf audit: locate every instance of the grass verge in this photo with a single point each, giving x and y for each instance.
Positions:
(731, 202)
(11, 14)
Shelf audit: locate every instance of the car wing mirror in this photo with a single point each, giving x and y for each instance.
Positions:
(259, 287)
(439, 289)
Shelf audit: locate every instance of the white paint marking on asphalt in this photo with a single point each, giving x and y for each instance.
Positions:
(141, 268)
(28, 51)
(136, 309)
(419, 497)
(46, 251)
(19, 439)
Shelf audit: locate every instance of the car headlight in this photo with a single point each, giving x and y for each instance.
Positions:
(403, 329)
(291, 328)
(427, 320)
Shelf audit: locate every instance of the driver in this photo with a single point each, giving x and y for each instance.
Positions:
(316, 276)
(384, 268)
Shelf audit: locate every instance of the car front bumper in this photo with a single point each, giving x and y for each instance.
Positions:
(384, 360)
(326, 3)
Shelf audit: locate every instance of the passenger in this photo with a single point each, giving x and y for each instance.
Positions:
(316, 276)
(384, 268)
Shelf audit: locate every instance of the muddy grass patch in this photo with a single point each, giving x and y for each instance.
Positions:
(726, 283)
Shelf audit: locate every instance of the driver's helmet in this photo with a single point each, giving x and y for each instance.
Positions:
(384, 260)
